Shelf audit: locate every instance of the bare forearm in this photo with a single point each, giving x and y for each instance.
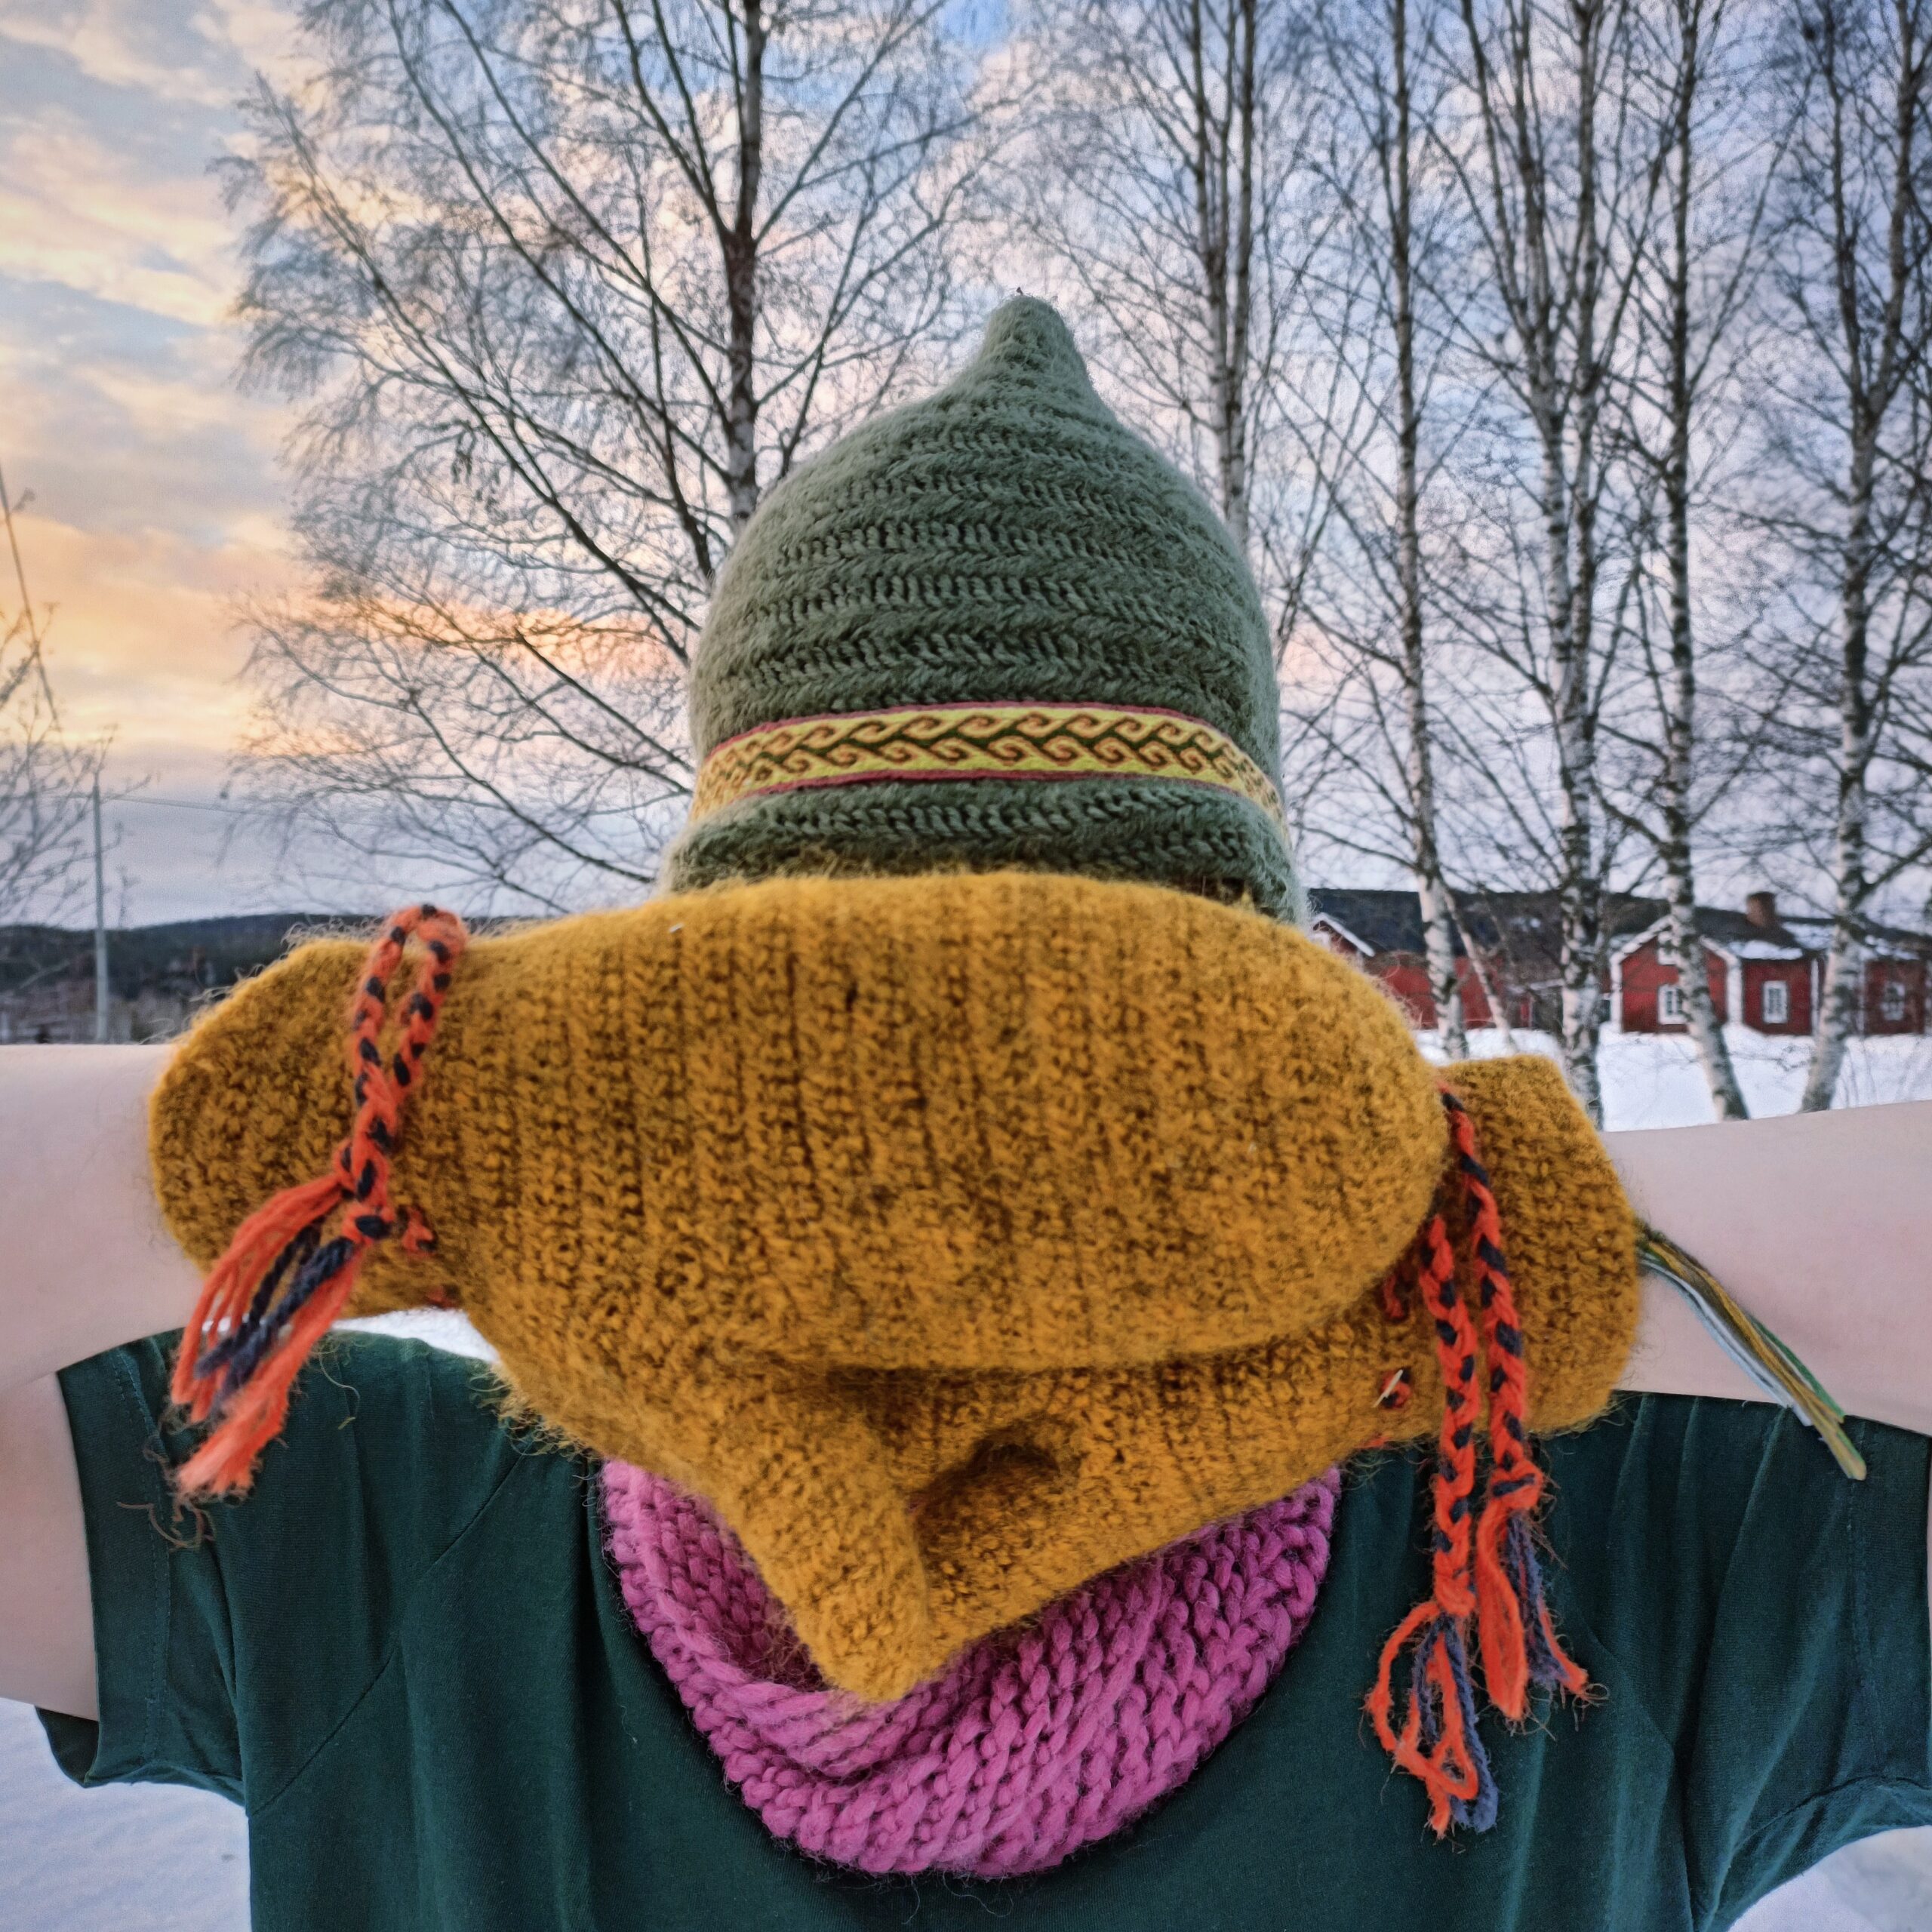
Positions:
(88, 1264)
(1818, 1223)
(1815, 1221)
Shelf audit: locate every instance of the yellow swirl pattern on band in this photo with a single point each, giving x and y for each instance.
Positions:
(980, 741)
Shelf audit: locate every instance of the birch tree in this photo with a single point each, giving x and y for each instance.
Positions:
(564, 288)
(1850, 448)
(1162, 198)
(1699, 272)
(1367, 611)
(1550, 165)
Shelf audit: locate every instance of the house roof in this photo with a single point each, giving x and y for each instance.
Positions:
(1734, 934)
(1384, 921)
(1738, 933)
(1882, 941)
(1525, 929)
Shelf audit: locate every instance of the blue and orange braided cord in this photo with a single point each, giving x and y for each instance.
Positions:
(1437, 1741)
(1486, 1581)
(1519, 1644)
(279, 1288)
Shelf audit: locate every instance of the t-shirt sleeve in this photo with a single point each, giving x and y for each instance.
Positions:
(265, 1619)
(1771, 1616)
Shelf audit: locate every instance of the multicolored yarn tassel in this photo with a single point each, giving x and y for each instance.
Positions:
(1487, 1584)
(1769, 1362)
(276, 1292)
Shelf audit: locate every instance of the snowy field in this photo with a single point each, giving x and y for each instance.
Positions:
(148, 1858)
(1654, 1080)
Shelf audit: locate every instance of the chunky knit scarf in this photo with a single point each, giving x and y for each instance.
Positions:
(1030, 1744)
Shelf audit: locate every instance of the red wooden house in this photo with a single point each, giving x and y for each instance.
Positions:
(1764, 972)
(1761, 973)
(1382, 931)
(1895, 992)
(1898, 975)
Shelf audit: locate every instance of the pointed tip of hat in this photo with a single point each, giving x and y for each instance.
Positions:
(1026, 336)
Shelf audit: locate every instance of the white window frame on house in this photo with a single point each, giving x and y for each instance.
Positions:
(1774, 1003)
(1891, 1001)
(1670, 1003)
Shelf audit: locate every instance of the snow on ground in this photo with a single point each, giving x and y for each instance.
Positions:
(132, 1858)
(153, 1859)
(1655, 1080)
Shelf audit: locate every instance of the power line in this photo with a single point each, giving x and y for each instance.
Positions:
(183, 804)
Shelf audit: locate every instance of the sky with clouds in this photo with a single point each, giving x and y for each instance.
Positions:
(156, 502)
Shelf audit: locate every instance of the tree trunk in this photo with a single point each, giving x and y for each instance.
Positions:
(1681, 704)
(1438, 932)
(1445, 985)
(1579, 897)
(1496, 996)
(1840, 1002)
(1581, 889)
(1877, 373)
(1224, 218)
(1699, 1009)
(741, 284)
(1563, 406)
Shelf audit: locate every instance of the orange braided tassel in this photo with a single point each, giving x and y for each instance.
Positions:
(280, 1287)
(1519, 1642)
(1494, 1589)
(1438, 1742)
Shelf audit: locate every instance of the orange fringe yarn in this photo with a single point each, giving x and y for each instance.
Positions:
(277, 1290)
(1489, 1586)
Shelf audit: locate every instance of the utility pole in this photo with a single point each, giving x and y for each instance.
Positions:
(99, 923)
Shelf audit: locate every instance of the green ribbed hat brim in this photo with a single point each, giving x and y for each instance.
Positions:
(1198, 838)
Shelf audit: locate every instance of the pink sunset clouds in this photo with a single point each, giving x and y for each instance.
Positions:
(156, 507)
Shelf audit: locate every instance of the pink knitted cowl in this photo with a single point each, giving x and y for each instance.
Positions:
(1030, 1744)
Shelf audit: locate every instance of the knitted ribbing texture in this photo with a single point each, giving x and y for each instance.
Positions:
(957, 1238)
(1032, 1743)
(1005, 540)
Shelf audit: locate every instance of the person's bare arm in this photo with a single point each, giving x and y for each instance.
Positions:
(1818, 1224)
(1815, 1222)
(85, 1265)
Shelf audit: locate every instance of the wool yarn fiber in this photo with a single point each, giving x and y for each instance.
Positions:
(1030, 1744)
(957, 1238)
(957, 1207)
(1004, 540)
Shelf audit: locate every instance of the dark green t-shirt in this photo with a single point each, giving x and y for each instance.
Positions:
(407, 1656)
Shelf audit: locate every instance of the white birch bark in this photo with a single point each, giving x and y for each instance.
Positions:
(1563, 304)
(1881, 352)
(1438, 930)
(1681, 741)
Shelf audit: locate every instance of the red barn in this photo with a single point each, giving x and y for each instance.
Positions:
(1382, 932)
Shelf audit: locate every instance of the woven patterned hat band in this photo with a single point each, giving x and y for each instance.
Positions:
(962, 742)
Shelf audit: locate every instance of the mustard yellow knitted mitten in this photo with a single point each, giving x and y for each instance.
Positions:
(958, 1237)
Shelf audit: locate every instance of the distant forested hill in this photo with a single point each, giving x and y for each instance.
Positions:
(185, 955)
(157, 975)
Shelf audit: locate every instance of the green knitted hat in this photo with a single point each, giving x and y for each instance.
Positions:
(991, 629)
